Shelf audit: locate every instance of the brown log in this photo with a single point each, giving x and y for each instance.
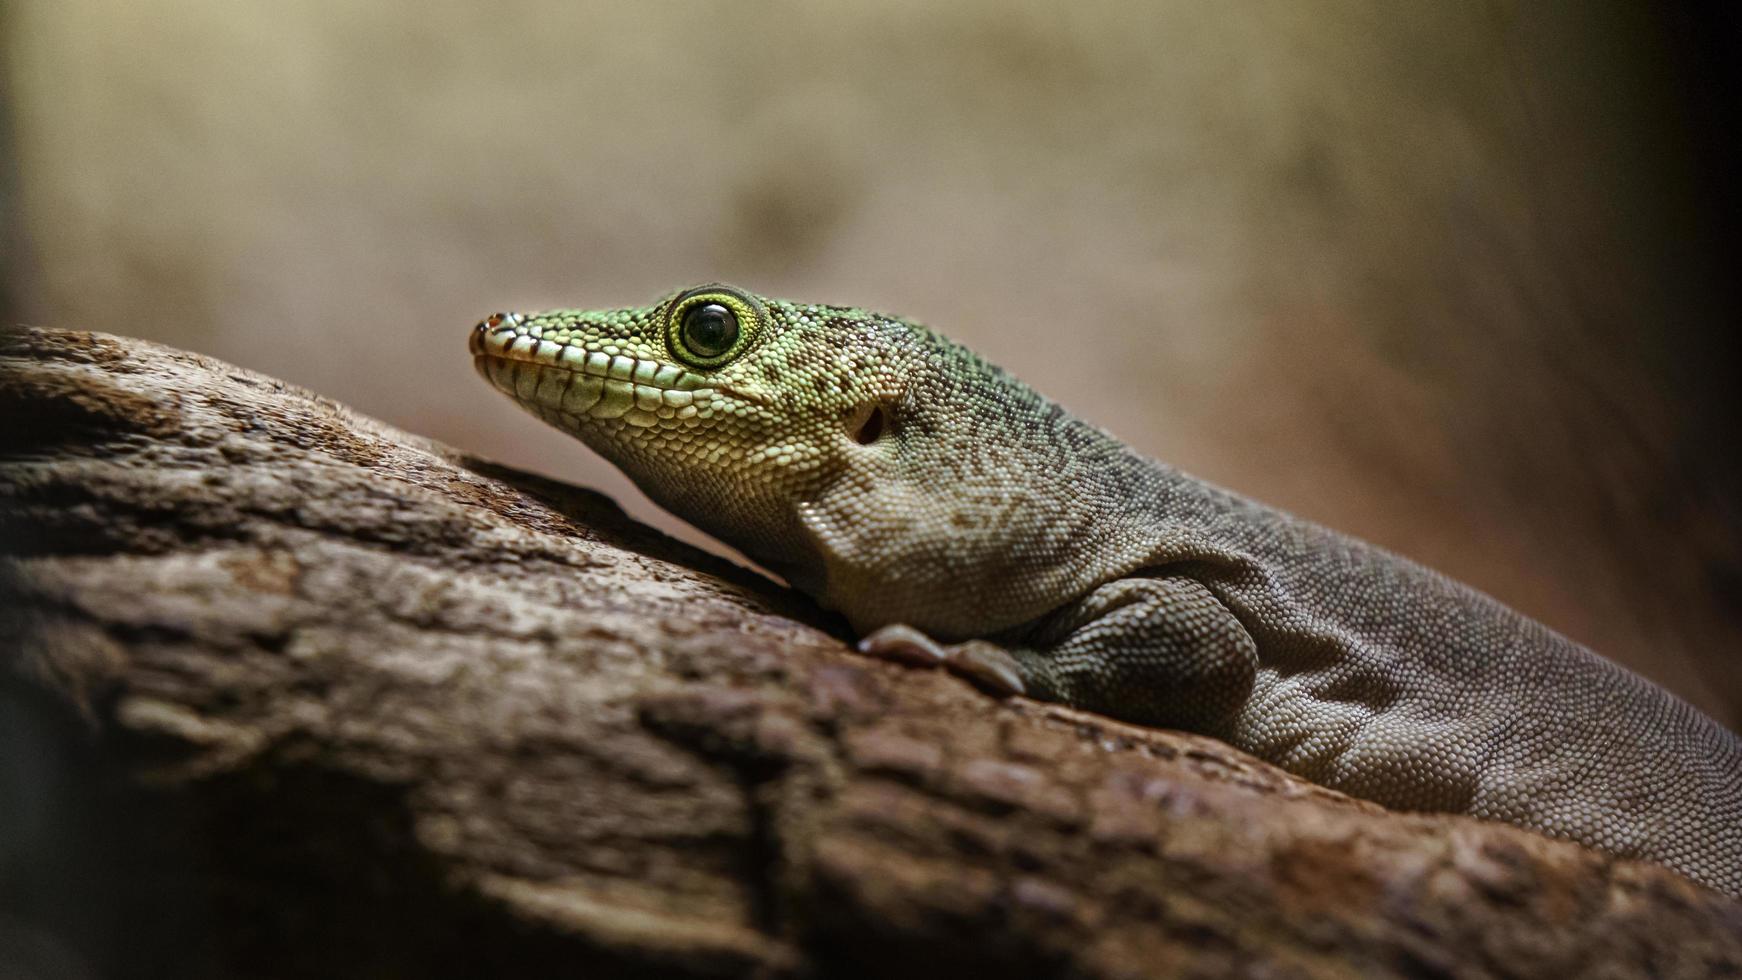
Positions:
(290, 693)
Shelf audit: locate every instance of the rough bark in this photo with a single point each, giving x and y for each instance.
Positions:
(291, 693)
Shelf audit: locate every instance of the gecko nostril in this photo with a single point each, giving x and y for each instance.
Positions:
(477, 340)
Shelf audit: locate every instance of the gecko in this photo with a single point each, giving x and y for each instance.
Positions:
(958, 518)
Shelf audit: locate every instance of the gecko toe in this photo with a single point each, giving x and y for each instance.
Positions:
(902, 643)
(983, 664)
(988, 667)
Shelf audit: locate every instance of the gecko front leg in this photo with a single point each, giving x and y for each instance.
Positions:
(1157, 649)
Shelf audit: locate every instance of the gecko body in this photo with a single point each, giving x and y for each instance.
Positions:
(956, 516)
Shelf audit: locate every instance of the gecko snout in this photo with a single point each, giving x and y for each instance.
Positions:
(475, 342)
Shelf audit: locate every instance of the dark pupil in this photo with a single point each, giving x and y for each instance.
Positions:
(709, 329)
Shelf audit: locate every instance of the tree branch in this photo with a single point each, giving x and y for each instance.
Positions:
(291, 693)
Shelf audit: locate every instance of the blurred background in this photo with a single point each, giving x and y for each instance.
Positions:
(1457, 278)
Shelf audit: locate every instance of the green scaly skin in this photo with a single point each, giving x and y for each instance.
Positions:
(956, 516)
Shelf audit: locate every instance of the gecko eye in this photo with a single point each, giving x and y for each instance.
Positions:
(709, 329)
(710, 325)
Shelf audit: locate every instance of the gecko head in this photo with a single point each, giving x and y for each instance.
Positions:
(729, 409)
(875, 464)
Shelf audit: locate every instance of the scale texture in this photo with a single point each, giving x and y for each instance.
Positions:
(900, 479)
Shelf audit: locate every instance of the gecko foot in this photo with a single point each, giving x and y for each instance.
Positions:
(986, 665)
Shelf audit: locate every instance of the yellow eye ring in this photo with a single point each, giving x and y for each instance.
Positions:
(710, 325)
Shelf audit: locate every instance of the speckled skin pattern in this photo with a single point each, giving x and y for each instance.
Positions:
(898, 478)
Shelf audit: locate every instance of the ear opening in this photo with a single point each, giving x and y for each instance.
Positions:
(867, 424)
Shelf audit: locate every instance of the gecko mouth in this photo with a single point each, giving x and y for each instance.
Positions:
(568, 384)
